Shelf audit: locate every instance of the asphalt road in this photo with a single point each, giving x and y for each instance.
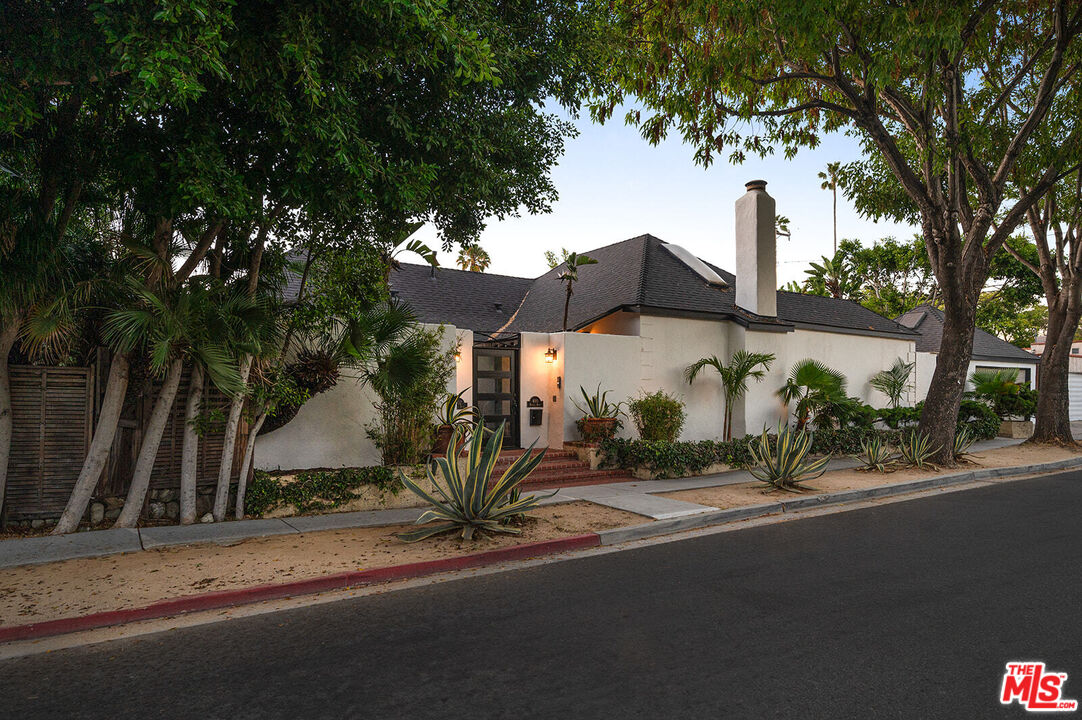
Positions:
(907, 610)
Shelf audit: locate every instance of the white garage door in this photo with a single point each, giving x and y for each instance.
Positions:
(1074, 384)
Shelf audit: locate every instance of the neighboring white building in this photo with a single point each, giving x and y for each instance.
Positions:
(989, 351)
(637, 318)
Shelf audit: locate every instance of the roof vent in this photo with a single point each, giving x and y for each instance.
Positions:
(394, 293)
(499, 306)
(695, 264)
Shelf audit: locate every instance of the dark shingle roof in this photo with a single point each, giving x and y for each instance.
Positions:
(471, 300)
(928, 321)
(636, 274)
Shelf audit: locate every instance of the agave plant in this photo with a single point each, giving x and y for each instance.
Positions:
(963, 440)
(916, 448)
(874, 454)
(454, 412)
(468, 501)
(597, 405)
(782, 465)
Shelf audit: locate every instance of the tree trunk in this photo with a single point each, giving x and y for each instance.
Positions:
(246, 466)
(7, 339)
(100, 444)
(835, 190)
(189, 455)
(1052, 423)
(567, 304)
(939, 419)
(148, 450)
(229, 444)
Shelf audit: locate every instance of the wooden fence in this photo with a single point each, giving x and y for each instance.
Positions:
(53, 412)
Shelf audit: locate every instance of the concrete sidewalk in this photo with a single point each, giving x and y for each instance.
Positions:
(638, 497)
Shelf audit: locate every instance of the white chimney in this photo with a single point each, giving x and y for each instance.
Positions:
(756, 251)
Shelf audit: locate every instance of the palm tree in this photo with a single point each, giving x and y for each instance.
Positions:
(570, 275)
(473, 258)
(892, 382)
(830, 182)
(399, 243)
(832, 278)
(814, 387)
(743, 366)
(172, 327)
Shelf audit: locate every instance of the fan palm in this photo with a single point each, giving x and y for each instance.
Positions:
(182, 325)
(812, 386)
(570, 275)
(743, 366)
(892, 382)
(830, 182)
(473, 258)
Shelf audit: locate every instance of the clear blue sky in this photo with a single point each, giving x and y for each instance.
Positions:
(614, 185)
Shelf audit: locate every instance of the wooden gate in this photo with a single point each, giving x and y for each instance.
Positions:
(52, 411)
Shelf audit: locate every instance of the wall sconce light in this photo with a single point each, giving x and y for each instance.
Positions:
(550, 355)
(458, 356)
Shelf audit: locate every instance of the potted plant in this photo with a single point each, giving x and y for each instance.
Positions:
(601, 419)
(452, 413)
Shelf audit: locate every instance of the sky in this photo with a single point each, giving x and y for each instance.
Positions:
(613, 185)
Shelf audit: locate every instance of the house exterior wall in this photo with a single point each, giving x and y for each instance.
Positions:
(329, 430)
(621, 322)
(669, 345)
(585, 360)
(926, 368)
(858, 357)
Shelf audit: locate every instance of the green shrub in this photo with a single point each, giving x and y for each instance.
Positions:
(899, 416)
(316, 490)
(472, 501)
(980, 419)
(658, 416)
(843, 440)
(780, 462)
(674, 459)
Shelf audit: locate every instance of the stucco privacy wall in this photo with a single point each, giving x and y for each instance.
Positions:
(669, 345)
(858, 356)
(329, 430)
(586, 359)
(536, 379)
(926, 368)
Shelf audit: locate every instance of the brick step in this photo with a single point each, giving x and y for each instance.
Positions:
(556, 466)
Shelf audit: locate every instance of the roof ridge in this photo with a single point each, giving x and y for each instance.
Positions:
(426, 266)
(640, 294)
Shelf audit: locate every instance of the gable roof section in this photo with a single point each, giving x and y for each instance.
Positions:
(470, 300)
(639, 275)
(928, 321)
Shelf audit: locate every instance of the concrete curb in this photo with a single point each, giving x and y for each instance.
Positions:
(259, 593)
(719, 517)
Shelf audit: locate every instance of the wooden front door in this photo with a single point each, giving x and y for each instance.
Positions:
(495, 390)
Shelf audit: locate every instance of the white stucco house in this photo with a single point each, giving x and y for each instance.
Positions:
(638, 317)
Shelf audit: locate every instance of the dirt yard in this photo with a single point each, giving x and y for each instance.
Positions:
(78, 587)
(754, 494)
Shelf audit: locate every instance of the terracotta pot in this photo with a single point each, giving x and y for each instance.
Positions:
(595, 430)
(443, 439)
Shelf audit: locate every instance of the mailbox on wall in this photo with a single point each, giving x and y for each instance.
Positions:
(535, 405)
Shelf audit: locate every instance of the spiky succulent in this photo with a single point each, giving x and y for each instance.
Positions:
(963, 440)
(781, 463)
(469, 501)
(874, 454)
(916, 448)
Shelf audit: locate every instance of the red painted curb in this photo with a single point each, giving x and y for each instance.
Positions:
(259, 593)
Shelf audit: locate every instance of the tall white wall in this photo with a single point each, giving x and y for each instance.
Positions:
(537, 378)
(329, 430)
(669, 345)
(858, 357)
(585, 360)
